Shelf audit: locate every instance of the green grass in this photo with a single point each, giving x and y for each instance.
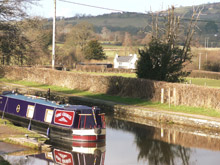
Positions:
(122, 100)
(204, 82)
(22, 131)
(187, 109)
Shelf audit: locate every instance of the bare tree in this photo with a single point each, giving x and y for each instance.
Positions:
(14, 9)
(79, 35)
(12, 42)
(127, 43)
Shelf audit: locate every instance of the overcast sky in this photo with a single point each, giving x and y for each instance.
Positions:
(45, 7)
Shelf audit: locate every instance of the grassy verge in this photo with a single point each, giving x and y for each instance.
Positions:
(204, 82)
(18, 132)
(122, 100)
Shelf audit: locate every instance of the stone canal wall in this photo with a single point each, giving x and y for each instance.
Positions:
(178, 94)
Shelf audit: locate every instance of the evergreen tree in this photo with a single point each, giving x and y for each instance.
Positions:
(94, 51)
(161, 62)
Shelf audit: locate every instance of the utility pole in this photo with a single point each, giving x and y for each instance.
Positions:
(206, 42)
(206, 46)
(54, 32)
(199, 61)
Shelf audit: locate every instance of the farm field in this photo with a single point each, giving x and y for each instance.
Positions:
(204, 82)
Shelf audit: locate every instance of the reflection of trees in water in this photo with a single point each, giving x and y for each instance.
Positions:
(155, 151)
(2, 161)
(17, 160)
(158, 152)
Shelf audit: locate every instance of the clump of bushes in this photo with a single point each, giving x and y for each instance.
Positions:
(205, 74)
(212, 66)
(2, 73)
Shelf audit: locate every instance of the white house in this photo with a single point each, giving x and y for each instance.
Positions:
(125, 62)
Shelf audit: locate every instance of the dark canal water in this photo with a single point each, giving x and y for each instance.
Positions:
(128, 143)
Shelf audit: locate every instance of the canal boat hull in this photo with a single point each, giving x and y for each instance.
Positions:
(70, 122)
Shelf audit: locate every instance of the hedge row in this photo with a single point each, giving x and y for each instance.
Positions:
(102, 68)
(205, 74)
(186, 94)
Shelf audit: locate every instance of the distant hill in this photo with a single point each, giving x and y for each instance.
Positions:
(210, 12)
(208, 25)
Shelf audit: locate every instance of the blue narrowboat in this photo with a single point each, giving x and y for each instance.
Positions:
(70, 122)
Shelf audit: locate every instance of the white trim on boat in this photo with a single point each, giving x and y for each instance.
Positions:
(85, 132)
(86, 150)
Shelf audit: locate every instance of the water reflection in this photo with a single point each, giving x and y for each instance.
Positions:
(164, 146)
(131, 143)
(158, 152)
(80, 153)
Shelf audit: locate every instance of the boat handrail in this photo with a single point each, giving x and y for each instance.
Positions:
(84, 114)
(35, 97)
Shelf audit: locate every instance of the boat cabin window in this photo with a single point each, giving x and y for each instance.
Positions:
(48, 115)
(30, 111)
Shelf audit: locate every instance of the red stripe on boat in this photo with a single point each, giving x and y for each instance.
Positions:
(84, 144)
(88, 144)
(89, 138)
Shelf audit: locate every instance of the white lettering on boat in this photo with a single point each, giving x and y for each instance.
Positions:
(58, 158)
(67, 115)
(58, 115)
(63, 120)
(66, 161)
(63, 117)
(63, 157)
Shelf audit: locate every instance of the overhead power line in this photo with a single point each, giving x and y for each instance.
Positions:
(121, 11)
(98, 7)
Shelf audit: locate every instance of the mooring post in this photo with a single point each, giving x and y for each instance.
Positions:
(162, 96)
(169, 97)
(3, 113)
(48, 131)
(29, 125)
(48, 94)
(174, 95)
(161, 132)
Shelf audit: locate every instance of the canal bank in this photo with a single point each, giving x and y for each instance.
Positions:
(21, 137)
(130, 112)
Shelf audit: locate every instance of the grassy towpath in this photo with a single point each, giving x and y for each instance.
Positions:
(10, 133)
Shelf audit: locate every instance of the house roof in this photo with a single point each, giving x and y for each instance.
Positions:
(124, 58)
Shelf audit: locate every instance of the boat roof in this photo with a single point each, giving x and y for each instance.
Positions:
(43, 101)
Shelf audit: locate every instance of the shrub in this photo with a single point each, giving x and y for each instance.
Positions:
(2, 73)
(212, 66)
(94, 51)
